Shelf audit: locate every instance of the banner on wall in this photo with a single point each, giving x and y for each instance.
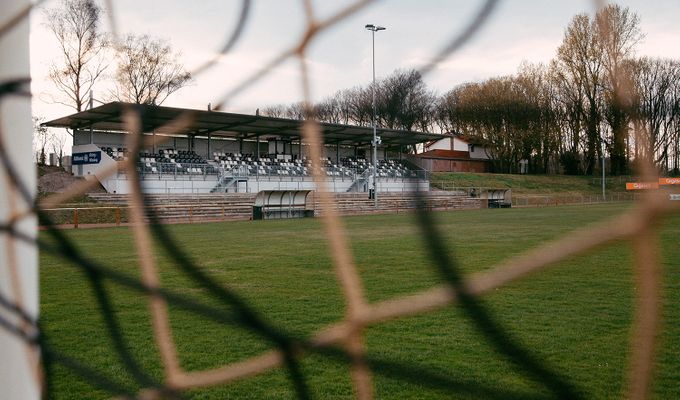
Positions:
(669, 181)
(90, 157)
(641, 185)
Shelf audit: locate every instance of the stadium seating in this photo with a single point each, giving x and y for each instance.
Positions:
(117, 153)
(386, 168)
(176, 162)
(187, 162)
(273, 165)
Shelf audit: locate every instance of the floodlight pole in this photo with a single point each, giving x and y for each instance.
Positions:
(373, 29)
(604, 196)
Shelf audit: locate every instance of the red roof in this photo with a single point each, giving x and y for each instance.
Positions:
(452, 154)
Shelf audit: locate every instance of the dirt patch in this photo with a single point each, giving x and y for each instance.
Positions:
(58, 181)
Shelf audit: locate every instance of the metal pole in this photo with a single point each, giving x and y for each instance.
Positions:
(90, 105)
(375, 145)
(373, 29)
(604, 196)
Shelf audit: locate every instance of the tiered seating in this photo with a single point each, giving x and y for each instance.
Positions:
(394, 169)
(171, 161)
(117, 153)
(270, 164)
(386, 168)
(357, 164)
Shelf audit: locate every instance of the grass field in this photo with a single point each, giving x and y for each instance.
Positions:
(576, 316)
(533, 184)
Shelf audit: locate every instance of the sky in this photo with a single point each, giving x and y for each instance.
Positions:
(340, 58)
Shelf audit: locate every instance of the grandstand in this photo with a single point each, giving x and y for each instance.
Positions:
(236, 153)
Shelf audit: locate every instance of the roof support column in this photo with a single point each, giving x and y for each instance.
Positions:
(257, 156)
(208, 156)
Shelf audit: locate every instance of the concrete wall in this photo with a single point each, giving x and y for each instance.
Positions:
(457, 166)
(89, 171)
(478, 152)
(120, 185)
(449, 165)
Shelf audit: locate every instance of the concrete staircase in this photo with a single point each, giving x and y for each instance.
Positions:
(238, 206)
(190, 207)
(359, 203)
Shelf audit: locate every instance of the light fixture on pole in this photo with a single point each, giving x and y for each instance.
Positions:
(374, 29)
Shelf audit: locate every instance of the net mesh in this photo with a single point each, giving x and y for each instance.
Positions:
(344, 340)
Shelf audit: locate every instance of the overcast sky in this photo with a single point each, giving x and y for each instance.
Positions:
(341, 57)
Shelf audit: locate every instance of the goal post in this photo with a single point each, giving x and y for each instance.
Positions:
(18, 259)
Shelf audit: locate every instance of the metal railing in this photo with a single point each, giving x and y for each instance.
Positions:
(557, 200)
(183, 171)
(335, 173)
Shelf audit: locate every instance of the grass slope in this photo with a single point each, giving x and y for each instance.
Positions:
(531, 184)
(575, 316)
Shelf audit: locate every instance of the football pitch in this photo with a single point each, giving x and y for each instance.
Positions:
(575, 317)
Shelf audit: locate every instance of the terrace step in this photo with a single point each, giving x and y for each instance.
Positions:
(198, 207)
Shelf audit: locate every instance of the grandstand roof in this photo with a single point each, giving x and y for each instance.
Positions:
(109, 117)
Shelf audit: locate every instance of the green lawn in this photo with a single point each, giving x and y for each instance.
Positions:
(576, 317)
(533, 184)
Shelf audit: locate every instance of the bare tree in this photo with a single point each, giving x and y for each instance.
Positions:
(40, 140)
(447, 110)
(542, 146)
(361, 106)
(148, 71)
(579, 59)
(618, 33)
(344, 104)
(655, 109)
(57, 142)
(75, 24)
(276, 111)
(295, 111)
(404, 101)
(569, 108)
(329, 110)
